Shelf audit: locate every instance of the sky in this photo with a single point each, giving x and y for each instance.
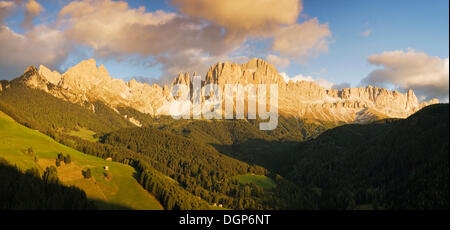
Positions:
(400, 45)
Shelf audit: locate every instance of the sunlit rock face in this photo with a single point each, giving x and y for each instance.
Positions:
(307, 99)
(86, 82)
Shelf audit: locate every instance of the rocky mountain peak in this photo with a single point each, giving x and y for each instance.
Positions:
(86, 65)
(184, 79)
(53, 77)
(30, 70)
(256, 71)
(257, 63)
(33, 79)
(87, 70)
(305, 99)
(132, 83)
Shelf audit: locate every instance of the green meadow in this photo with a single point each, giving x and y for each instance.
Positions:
(260, 180)
(85, 134)
(120, 191)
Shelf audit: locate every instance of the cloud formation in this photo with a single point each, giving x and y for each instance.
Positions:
(299, 77)
(37, 45)
(275, 19)
(6, 8)
(427, 76)
(320, 81)
(243, 15)
(111, 28)
(41, 45)
(302, 41)
(178, 43)
(32, 9)
(279, 62)
(201, 33)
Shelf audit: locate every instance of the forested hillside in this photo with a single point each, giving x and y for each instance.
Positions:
(203, 171)
(39, 110)
(398, 165)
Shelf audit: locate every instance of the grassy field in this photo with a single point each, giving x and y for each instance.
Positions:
(85, 134)
(122, 191)
(263, 181)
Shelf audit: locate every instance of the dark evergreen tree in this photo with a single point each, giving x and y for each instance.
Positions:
(60, 157)
(67, 159)
(30, 151)
(87, 173)
(50, 175)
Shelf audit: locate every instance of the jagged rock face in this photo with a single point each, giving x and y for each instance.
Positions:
(52, 76)
(256, 71)
(4, 84)
(33, 79)
(87, 83)
(308, 100)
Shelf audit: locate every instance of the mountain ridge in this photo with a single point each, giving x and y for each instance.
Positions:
(85, 82)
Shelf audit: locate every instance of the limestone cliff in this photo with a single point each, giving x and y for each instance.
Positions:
(309, 100)
(86, 82)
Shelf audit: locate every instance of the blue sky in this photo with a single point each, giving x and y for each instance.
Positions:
(394, 25)
(422, 26)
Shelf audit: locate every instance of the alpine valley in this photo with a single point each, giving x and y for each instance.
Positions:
(84, 140)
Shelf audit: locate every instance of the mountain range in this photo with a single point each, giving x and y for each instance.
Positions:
(86, 83)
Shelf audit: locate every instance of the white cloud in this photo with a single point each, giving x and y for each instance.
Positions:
(34, 7)
(5, 9)
(320, 81)
(243, 16)
(42, 45)
(302, 41)
(111, 28)
(427, 76)
(299, 77)
(38, 45)
(200, 33)
(6, 4)
(279, 62)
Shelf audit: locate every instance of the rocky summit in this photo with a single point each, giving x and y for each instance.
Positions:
(86, 83)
